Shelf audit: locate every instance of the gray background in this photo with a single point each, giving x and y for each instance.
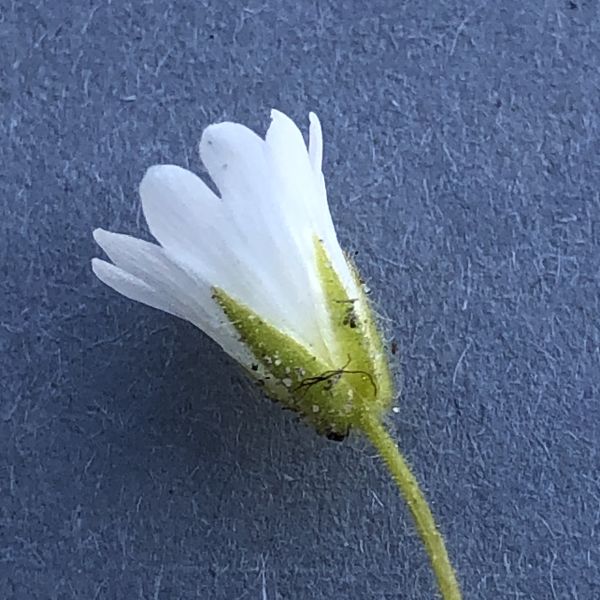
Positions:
(462, 159)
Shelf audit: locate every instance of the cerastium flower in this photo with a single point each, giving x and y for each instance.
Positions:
(259, 269)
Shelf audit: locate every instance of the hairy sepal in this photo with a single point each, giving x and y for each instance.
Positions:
(332, 397)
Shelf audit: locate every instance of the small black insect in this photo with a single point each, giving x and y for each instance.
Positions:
(350, 318)
(394, 347)
(337, 436)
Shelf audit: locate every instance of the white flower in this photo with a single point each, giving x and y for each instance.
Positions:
(260, 270)
(263, 251)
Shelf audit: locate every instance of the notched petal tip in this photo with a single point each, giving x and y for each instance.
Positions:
(224, 145)
(100, 268)
(159, 175)
(277, 114)
(97, 235)
(102, 237)
(280, 119)
(286, 139)
(215, 131)
(222, 134)
(284, 127)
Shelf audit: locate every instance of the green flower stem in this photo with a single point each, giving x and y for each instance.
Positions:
(409, 487)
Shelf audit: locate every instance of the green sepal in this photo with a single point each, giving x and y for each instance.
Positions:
(353, 327)
(332, 397)
(290, 373)
(379, 358)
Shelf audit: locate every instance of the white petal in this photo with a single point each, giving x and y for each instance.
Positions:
(267, 230)
(137, 257)
(132, 287)
(304, 187)
(224, 248)
(191, 223)
(238, 163)
(300, 191)
(315, 143)
(291, 161)
(198, 234)
(190, 296)
(144, 273)
(182, 213)
(235, 158)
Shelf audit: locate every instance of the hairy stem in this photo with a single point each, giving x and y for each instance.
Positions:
(409, 487)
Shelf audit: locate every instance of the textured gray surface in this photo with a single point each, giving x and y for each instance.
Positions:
(462, 158)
